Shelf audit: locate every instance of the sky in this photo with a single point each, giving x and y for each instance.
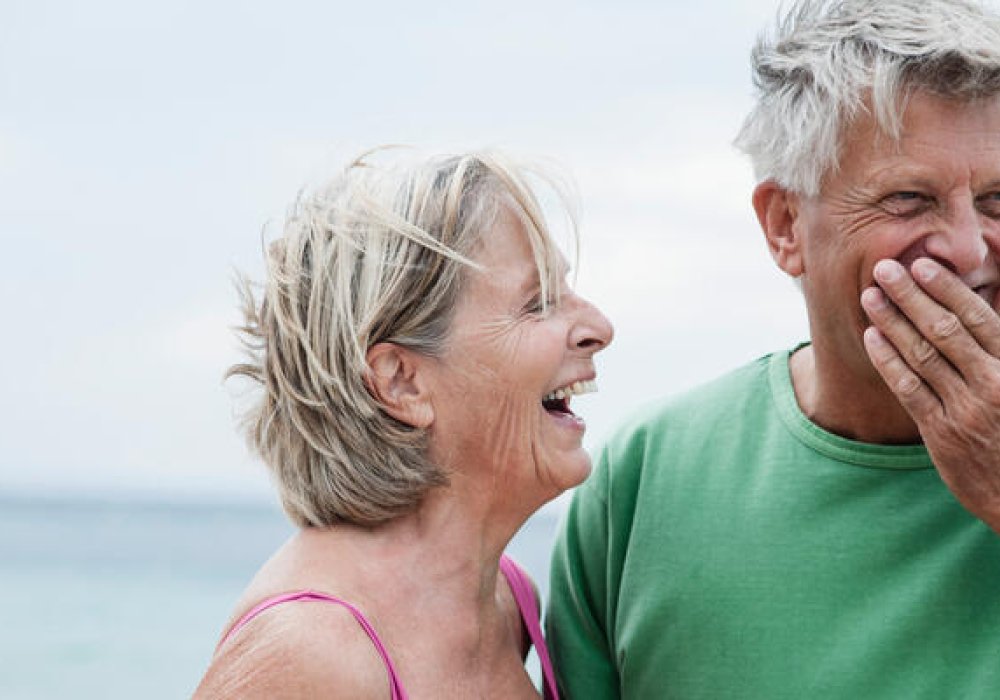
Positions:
(147, 149)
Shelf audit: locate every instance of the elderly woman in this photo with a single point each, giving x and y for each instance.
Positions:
(418, 347)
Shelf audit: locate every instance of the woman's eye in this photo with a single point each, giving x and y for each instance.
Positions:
(906, 203)
(534, 306)
(989, 204)
(538, 305)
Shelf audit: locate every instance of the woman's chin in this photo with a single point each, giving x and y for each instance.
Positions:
(572, 473)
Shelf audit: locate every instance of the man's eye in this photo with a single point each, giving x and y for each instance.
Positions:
(989, 204)
(906, 203)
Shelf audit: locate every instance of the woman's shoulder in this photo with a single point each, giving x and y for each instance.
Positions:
(300, 647)
(522, 610)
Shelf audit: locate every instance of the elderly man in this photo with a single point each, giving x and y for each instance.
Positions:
(824, 521)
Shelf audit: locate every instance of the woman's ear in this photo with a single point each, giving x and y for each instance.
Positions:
(778, 212)
(397, 380)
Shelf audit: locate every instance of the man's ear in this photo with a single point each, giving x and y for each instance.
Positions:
(778, 212)
(396, 378)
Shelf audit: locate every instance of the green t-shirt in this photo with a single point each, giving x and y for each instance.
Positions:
(726, 547)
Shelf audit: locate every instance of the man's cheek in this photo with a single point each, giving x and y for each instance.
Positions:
(991, 296)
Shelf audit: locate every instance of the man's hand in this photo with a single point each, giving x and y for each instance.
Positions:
(936, 344)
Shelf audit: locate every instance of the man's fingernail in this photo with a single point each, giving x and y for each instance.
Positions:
(872, 298)
(887, 271)
(924, 270)
(874, 337)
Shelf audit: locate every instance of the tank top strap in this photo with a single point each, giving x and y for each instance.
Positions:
(524, 595)
(396, 686)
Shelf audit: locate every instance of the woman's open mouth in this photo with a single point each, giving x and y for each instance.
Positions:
(557, 402)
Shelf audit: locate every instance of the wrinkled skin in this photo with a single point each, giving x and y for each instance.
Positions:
(935, 338)
(899, 260)
(504, 355)
(937, 346)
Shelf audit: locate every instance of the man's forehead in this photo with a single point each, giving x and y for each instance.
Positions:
(917, 108)
(929, 121)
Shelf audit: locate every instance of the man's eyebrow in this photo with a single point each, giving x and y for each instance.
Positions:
(990, 185)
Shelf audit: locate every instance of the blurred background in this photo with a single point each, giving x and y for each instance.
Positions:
(146, 151)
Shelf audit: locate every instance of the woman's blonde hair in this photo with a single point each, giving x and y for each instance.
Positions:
(377, 255)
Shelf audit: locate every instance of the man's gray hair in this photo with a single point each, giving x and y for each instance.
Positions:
(378, 255)
(827, 61)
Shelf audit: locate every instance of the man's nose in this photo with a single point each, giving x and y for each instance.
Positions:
(959, 243)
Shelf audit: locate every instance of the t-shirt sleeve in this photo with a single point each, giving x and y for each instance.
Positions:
(578, 614)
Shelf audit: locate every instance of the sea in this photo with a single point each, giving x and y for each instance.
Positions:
(112, 598)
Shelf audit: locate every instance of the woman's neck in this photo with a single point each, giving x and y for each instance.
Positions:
(444, 552)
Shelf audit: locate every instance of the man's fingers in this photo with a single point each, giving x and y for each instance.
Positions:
(949, 316)
(971, 310)
(922, 357)
(910, 390)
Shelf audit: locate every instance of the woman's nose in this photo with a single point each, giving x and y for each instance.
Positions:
(592, 331)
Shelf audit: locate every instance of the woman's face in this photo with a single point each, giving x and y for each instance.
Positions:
(500, 390)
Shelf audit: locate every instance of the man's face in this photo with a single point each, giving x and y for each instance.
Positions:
(935, 193)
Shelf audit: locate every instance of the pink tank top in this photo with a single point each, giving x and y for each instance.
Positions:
(520, 586)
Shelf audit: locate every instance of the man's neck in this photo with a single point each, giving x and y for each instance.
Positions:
(836, 398)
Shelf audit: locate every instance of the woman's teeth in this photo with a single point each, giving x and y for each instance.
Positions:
(574, 389)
